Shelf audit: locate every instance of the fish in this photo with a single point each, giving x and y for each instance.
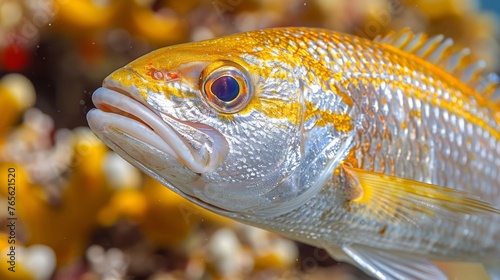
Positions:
(384, 152)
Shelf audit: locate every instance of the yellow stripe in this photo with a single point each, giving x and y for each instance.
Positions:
(341, 122)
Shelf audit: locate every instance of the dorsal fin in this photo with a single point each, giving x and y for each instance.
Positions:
(441, 52)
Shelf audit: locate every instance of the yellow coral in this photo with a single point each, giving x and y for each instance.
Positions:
(17, 94)
(167, 218)
(434, 9)
(159, 27)
(17, 270)
(63, 223)
(86, 15)
(127, 203)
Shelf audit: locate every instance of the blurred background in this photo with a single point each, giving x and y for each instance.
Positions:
(81, 211)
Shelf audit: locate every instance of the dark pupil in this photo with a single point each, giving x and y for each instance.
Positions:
(226, 88)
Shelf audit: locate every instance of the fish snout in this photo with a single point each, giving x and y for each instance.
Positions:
(121, 106)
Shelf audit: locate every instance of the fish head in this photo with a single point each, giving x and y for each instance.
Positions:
(210, 120)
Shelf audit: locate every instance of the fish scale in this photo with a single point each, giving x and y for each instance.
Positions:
(369, 149)
(439, 146)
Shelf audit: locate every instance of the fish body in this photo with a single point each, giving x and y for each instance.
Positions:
(385, 152)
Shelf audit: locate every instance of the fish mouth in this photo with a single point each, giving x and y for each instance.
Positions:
(118, 108)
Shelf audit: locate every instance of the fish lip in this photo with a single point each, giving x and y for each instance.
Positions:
(132, 115)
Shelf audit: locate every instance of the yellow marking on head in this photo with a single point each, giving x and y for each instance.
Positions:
(345, 97)
(341, 122)
(226, 117)
(278, 109)
(273, 108)
(127, 79)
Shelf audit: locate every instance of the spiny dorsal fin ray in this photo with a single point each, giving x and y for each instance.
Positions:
(414, 43)
(488, 86)
(441, 52)
(455, 60)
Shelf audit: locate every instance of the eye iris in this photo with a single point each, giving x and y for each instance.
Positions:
(226, 88)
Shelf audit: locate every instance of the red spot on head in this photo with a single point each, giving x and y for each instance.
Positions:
(162, 75)
(173, 76)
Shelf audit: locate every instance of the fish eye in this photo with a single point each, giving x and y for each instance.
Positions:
(225, 86)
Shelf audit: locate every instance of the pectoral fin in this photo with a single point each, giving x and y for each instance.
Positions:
(392, 198)
(388, 265)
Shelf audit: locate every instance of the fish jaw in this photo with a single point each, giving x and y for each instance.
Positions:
(121, 108)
